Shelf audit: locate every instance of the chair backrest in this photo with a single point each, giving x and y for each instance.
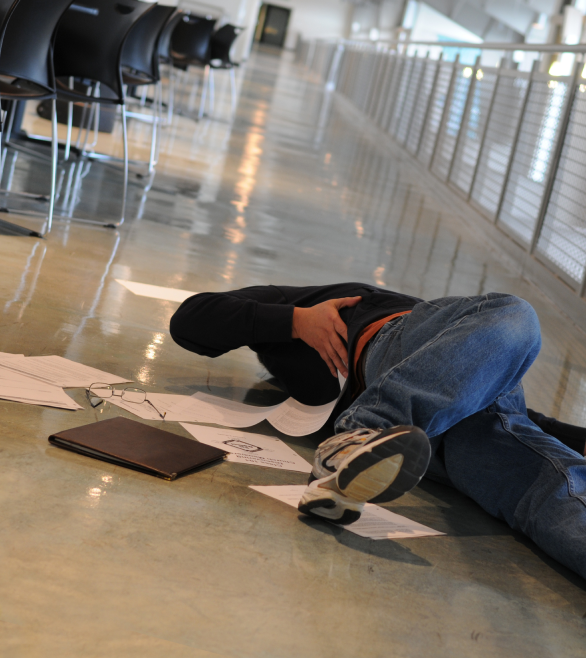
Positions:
(191, 39)
(27, 32)
(165, 39)
(90, 38)
(6, 8)
(141, 48)
(221, 42)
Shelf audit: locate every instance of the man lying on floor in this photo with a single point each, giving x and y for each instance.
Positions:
(434, 388)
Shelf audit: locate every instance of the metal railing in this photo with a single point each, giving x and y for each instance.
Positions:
(511, 142)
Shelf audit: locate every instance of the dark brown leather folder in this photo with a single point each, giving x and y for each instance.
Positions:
(138, 446)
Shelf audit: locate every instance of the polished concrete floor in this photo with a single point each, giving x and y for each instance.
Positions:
(100, 561)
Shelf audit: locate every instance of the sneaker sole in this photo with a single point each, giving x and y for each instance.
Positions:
(329, 509)
(386, 468)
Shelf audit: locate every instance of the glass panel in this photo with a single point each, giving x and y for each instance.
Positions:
(448, 136)
(468, 150)
(420, 109)
(563, 237)
(434, 118)
(498, 142)
(411, 98)
(532, 159)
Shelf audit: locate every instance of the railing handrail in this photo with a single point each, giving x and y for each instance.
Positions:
(509, 47)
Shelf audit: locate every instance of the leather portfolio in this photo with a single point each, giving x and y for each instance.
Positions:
(137, 446)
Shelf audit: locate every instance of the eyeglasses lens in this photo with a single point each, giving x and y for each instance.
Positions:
(98, 392)
(136, 395)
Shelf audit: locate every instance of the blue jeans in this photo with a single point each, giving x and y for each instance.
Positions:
(454, 367)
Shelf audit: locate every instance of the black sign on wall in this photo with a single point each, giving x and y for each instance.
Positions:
(272, 25)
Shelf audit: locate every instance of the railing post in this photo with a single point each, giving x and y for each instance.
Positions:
(429, 100)
(444, 118)
(467, 104)
(557, 153)
(390, 105)
(534, 70)
(389, 68)
(485, 131)
(375, 83)
(417, 95)
(332, 78)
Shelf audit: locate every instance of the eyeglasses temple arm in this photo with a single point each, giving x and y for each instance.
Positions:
(155, 408)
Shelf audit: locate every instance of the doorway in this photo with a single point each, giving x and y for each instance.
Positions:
(272, 25)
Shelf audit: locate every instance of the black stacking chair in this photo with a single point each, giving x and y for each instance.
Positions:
(220, 46)
(140, 65)
(26, 70)
(88, 47)
(190, 46)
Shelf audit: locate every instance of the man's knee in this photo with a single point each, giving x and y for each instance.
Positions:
(516, 319)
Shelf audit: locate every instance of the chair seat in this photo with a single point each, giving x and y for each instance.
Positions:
(64, 93)
(22, 90)
(134, 78)
(220, 64)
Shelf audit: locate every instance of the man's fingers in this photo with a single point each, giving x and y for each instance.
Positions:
(325, 356)
(341, 328)
(339, 348)
(337, 360)
(346, 302)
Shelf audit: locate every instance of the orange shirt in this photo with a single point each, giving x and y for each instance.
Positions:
(365, 335)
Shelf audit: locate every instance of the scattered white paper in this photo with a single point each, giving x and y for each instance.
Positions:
(228, 412)
(59, 371)
(375, 522)
(296, 419)
(156, 292)
(246, 448)
(17, 387)
(290, 417)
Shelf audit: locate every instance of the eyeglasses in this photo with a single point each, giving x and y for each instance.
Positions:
(97, 393)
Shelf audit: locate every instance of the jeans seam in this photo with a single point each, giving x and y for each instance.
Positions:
(397, 325)
(554, 462)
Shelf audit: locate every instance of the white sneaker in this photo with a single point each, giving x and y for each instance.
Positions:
(364, 465)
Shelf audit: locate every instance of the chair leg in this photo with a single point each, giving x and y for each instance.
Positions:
(184, 92)
(155, 131)
(88, 127)
(69, 126)
(96, 118)
(171, 95)
(54, 164)
(204, 88)
(125, 139)
(212, 90)
(193, 94)
(8, 132)
(3, 147)
(233, 89)
(7, 119)
(160, 131)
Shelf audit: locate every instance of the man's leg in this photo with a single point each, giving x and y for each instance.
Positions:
(521, 475)
(425, 371)
(448, 359)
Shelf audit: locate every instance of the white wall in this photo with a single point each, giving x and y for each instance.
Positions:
(314, 19)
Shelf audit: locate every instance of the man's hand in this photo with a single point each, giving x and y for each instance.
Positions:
(322, 328)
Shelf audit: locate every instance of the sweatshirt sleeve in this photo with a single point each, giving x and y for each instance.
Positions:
(212, 324)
